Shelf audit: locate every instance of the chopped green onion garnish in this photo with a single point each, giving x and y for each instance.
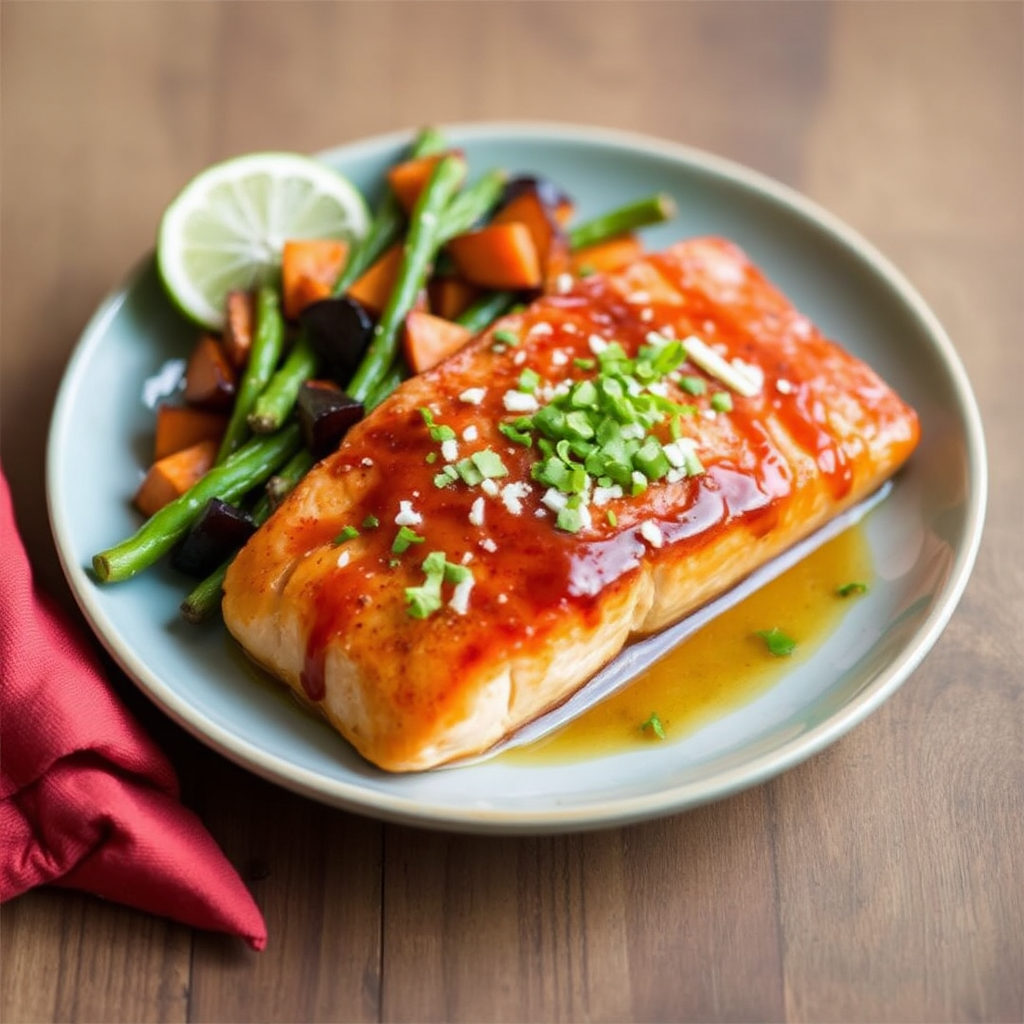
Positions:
(693, 385)
(506, 337)
(469, 472)
(529, 380)
(570, 520)
(438, 431)
(447, 476)
(583, 395)
(778, 643)
(404, 539)
(721, 401)
(371, 522)
(455, 573)
(514, 434)
(424, 600)
(651, 460)
(849, 589)
(347, 533)
(653, 725)
(602, 429)
(489, 463)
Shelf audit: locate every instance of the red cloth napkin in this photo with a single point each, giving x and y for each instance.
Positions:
(86, 799)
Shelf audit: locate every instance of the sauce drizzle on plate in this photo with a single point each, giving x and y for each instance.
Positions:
(723, 666)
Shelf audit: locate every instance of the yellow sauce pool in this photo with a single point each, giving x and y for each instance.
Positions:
(723, 666)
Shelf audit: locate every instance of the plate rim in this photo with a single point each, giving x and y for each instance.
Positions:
(613, 812)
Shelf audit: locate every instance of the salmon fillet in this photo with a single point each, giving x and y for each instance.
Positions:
(469, 557)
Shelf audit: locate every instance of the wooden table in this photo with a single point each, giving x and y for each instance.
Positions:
(883, 879)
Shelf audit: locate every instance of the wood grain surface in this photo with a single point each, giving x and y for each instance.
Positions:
(883, 880)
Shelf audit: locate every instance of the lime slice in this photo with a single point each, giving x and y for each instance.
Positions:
(227, 227)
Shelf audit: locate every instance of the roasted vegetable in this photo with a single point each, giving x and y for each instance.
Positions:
(205, 597)
(210, 378)
(424, 239)
(388, 219)
(181, 426)
(449, 296)
(631, 217)
(551, 195)
(363, 318)
(339, 330)
(309, 268)
(374, 286)
(220, 529)
(498, 256)
(325, 414)
(249, 466)
(267, 343)
(239, 323)
(408, 178)
(486, 309)
(275, 404)
(549, 238)
(428, 339)
(471, 205)
(170, 477)
(608, 255)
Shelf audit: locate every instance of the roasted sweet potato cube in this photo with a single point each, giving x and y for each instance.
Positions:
(170, 477)
(210, 377)
(408, 178)
(450, 296)
(309, 268)
(613, 254)
(374, 286)
(498, 256)
(239, 324)
(428, 340)
(181, 426)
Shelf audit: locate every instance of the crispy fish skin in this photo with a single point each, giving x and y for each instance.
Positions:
(548, 608)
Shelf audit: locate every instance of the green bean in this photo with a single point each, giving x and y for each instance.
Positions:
(206, 595)
(267, 342)
(388, 219)
(394, 377)
(421, 245)
(479, 315)
(272, 407)
(249, 466)
(472, 203)
(631, 217)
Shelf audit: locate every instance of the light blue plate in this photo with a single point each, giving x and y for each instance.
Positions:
(923, 538)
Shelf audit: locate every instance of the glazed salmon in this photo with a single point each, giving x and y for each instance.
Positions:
(587, 471)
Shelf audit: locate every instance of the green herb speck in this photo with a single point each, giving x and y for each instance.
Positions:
(779, 644)
(404, 539)
(849, 589)
(653, 725)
